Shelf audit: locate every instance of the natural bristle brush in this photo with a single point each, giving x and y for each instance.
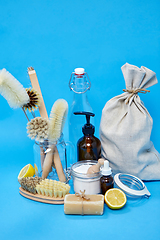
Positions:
(37, 129)
(56, 123)
(12, 90)
(34, 100)
(57, 119)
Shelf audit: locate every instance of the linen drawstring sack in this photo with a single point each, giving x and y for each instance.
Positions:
(126, 127)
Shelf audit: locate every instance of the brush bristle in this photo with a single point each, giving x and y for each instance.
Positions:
(57, 119)
(34, 100)
(37, 129)
(12, 90)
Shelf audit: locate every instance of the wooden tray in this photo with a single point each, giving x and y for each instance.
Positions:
(41, 198)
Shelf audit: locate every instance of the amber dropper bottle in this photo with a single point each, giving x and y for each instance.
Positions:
(106, 180)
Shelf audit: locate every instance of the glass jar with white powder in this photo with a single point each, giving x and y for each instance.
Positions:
(83, 181)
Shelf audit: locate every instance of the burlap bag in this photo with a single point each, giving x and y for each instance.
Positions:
(126, 127)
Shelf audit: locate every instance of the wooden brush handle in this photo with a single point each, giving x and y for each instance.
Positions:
(57, 162)
(35, 85)
(47, 164)
(42, 156)
(58, 166)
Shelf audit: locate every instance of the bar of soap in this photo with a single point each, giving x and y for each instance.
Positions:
(77, 205)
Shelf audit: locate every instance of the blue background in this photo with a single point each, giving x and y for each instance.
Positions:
(55, 37)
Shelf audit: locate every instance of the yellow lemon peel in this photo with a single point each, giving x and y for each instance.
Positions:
(115, 198)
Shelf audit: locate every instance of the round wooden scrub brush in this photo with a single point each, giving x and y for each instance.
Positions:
(57, 119)
(37, 129)
(34, 100)
(12, 90)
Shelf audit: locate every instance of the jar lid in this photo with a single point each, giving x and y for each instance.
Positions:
(131, 185)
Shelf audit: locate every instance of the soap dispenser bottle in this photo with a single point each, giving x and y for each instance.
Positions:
(106, 180)
(88, 146)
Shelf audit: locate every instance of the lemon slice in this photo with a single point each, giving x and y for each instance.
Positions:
(115, 198)
(26, 171)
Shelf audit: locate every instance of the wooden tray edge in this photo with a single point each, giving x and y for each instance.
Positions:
(40, 198)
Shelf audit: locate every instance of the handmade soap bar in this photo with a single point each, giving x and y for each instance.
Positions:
(90, 205)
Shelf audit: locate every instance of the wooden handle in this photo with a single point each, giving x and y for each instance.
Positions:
(47, 163)
(58, 166)
(94, 168)
(35, 85)
(53, 153)
(42, 156)
(101, 161)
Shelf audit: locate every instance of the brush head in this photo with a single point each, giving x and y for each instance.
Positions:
(34, 100)
(12, 90)
(57, 119)
(37, 129)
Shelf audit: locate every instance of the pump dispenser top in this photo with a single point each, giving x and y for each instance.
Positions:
(88, 128)
(88, 146)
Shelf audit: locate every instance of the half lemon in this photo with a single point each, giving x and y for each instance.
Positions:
(115, 198)
(26, 171)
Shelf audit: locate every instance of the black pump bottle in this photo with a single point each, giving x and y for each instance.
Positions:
(88, 147)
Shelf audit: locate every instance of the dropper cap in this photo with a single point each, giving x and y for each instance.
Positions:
(106, 170)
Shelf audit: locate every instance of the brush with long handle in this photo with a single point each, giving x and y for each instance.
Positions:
(35, 84)
(48, 161)
(13, 91)
(42, 109)
(56, 123)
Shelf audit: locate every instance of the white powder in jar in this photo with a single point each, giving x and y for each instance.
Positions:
(82, 169)
(83, 182)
